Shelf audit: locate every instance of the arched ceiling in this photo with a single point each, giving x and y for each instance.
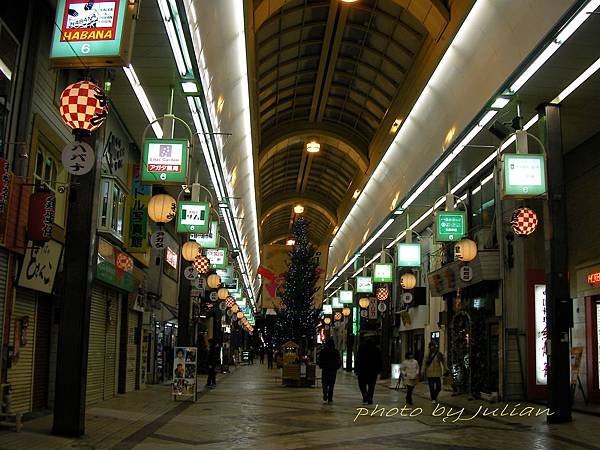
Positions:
(328, 71)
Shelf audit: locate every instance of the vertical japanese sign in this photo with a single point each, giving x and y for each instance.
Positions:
(541, 335)
(138, 211)
(92, 33)
(40, 265)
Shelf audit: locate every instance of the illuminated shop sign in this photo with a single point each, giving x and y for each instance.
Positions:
(327, 309)
(210, 239)
(524, 175)
(409, 255)
(171, 257)
(383, 273)
(217, 257)
(541, 335)
(346, 296)
(335, 303)
(450, 225)
(165, 161)
(364, 285)
(192, 217)
(593, 278)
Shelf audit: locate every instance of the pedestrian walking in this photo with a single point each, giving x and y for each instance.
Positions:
(329, 362)
(434, 368)
(368, 366)
(251, 355)
(270, 358)
(261, 354)
(212, 362)
(410, 373)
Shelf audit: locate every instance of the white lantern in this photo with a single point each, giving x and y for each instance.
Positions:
(408, 281)
(190, 250)
(213, 281)
(346, 312)
(162, 208)
(223, 293)
(465, 250)
(364, 302)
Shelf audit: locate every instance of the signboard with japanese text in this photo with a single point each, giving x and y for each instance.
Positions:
(217, 257)
(210, 239)
(78, 158)
(231, 284)
(192, 217)
(541, 335)
(372, 309)
(114, 266)
(226, 273)
(409, 255)
(327, 309)
(524, 175)
(346, 296)
(40, 265)
(335, 303)
(364, 285)
(138, 211)
(165, 161)
(450, 225)
(92, 33)
(171, 257)
(383, 273)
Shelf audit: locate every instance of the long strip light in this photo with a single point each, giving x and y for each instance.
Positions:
(577, 82)
(376, 235)
(566, 32)
(170, 16)
(563, 35)
(136, 85)
(371, 261)
(5, 70)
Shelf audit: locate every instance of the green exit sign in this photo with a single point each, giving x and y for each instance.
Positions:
(450, 225)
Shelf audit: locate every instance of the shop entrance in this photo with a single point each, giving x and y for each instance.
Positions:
(593, 343)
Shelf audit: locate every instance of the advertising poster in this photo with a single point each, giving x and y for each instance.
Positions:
(184, 372)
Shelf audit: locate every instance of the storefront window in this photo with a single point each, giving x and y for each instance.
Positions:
(483, 203)
(50, 175)
(9, 51)
(112, 208)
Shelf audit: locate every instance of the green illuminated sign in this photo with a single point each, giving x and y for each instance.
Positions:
(355, 321)
(383, 273)
(346, 296)
(524, 175)
(327, 310)
(364, 285)
(217, 257)
(450, 225)
(165, 161)
(335, 303)
(192, 217)
(409, 255)
(209, 240)
(91, 33)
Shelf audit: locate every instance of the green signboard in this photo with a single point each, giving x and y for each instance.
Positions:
(524, 175)
(165, 161)
(327, 310)
(450, 225)
(346, 296)
(364, 285)
(409, 255)
(335, 303)
(355, 321)
(217, 257)
(192, 217)
(92, 33)
(114, 267)
(383, 273)
(210, 239)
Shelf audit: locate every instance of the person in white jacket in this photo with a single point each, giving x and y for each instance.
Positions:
(410, 373)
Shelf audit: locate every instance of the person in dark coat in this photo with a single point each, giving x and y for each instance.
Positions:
(270, 357)
(329, 362)
(368, 366)
(212, 362)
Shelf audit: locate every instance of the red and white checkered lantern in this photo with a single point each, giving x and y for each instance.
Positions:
(338, 316)
(524, 221)
(202, 264)
(230, 301)
(382, 293)
(83, 106)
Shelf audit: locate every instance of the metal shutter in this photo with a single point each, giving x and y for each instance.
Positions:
(96, 346)
(132, 353)
(112, 350)
(20, 375)
(3, 278)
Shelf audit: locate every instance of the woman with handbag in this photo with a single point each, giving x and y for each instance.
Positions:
(410, 374)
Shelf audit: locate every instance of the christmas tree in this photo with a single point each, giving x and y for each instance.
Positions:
(297, 319)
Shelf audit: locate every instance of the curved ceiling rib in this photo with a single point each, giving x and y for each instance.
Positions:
(327, 71)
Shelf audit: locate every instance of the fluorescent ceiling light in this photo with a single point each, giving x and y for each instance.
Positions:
(170, 16)
(376, 235)
(500, 102)
(189, 87)
(5, 70)
(562, 37)
(577, 82)
(143, 99)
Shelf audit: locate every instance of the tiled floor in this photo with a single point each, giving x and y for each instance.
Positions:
(250, 409)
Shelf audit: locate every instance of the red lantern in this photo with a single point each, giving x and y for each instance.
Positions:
(338, 316)
(230, 301)
(382, 293)
(524, 221)
(202, 264)
(83, 106)
(42, 208)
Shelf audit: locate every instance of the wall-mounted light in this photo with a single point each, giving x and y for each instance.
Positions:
(290, 242)
(298, 209)
(313, 146)
(395, 126)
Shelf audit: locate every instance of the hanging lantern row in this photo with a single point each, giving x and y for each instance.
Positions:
(235, 308)
(382, 293)
(524, 221)
(202, 264)
(213, 281)
(83, 106)
(327, 320)
(364, 302)
(190, 250)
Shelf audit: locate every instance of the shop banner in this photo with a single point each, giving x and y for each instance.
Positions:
(166, 161)
(185, 372)
(40, 265)
(114, 266)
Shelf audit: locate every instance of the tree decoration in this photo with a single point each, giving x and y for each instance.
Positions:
(524, 221)
(382, 293)
(83, 106)
(297, 318)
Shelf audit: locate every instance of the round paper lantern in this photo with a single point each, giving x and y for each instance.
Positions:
(524, 221)
(240, 315)
(346, 312)
(327, 320)
(363, 302)
(202, 264)
(162, 208)
(465, 250)
(408, 281)
(83, 106)
(235, 308)
(230, 301)
(190, 250)
(338, 316)
(40, 220)
(382, 293)
(213, 281)
(222, 293)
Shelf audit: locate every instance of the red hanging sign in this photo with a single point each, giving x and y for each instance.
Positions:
(42, 209)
